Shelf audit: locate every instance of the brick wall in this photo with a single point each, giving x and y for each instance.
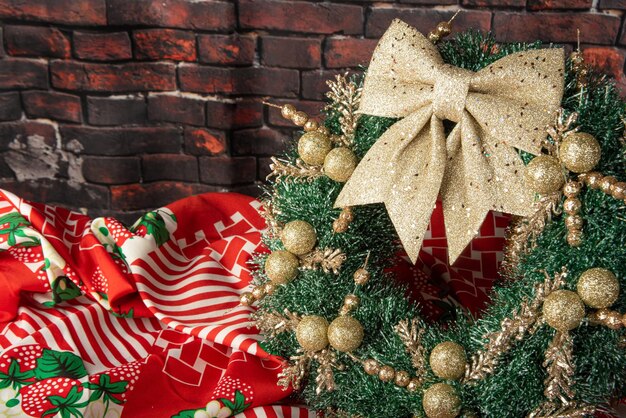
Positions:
(117, 106)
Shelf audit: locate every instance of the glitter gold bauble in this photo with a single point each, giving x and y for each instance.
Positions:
(572, 188)
(312, 332)
(572, 205)
(287, 111)
(402, 378)
(299, 118)
(386, 373)
(441, 401)
(313, 147)
(371, 366)
(311, 125)
(345, 334)
(298, 237)
(339, 164)
(544, 174)
(598, 288)
(413, 385)
(580, 152)
(247, 298)
(563, 310)
(351, 302)
(448, 360)
(281, 266)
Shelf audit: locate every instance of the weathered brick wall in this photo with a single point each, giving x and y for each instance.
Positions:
(116, 106)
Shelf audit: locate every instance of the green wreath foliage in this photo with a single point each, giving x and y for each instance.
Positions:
(516, 387)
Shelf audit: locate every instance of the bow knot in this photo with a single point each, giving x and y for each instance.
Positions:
(498, 111)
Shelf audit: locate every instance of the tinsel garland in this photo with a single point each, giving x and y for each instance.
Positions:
(517, 384)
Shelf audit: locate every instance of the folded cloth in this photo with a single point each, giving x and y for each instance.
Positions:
(101, 320)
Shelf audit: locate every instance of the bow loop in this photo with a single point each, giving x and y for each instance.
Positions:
(499, 110)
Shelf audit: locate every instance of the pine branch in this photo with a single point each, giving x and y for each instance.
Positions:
(282, 170)
(411, 336)
(327, 259)
(345, 97)
(294, 372)
(273, 323)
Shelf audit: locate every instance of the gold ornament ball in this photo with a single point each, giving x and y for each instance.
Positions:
(361, 276)
(580, 152)
(299, 118)
(287, 111)
(448, 360)
(544, 174)
(598, 288)
(247, 298)
(413, 385)
(345, 334)
(281, 266)
(443, 29)
(311, 125)
(563, 310)
(312, 332)
(441, 401)
(339, 164)
(386, 373)
(613, 320)
(572, 188)
(371, 366)
(572, 205)
(402, 378)
(351, 302)
(313, 147)
(298, 237)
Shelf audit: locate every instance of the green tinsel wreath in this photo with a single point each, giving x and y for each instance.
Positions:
(516, 386)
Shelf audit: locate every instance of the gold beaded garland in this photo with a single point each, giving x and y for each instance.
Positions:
(441, 401)
(258, 292)
(350, 302)
(311, 333)
(386, 373)
(544, 174)
(572, 188)
(247, 298)
(339, 164)
(574, 222)
(413, 385)
(281, 266)
(287, 111)
(448, 360)
(598, 287)
(361, 276)
(269, 288)
(311, 125)
(345, 333)
(575, 238)
(298, 237)
(579, 152)
(402, 378)
(313, 147)
(371, 366)
(563, 310)
(299, 118)
(606, 184)
(618, 190)
(572, 205)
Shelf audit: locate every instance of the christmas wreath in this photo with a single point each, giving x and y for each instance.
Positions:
(513, 128)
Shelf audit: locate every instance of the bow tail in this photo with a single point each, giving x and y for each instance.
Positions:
(412, 197)
(467, 193)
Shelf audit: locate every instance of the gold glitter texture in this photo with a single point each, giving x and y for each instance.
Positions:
(339, 164)
(477, 168)
(311, 333)
(298, 237)
(448, 360)
(598, 288)
(281, 267)
(544, 174)
(580, 152)
(441, 401)
(345, 333)
(563, 310)
(313, 147)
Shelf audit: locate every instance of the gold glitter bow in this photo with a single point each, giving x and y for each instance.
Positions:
(498, 110)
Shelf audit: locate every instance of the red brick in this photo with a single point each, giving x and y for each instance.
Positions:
(71, 12)
(2, 53)
(556, 27)
(559, 4)
(61, 193)
(613, 4)
(117, 110)
(170, 108)
(291, 52)
(10, 131)
(153, 195)
(205, 15)
(324, 18)
(36, 41)
(102, 46)
(264, 141)
(248, 113)
(169, 167)
(10, 106)
(313, 109)
(241, 81)
(111, 170)
(622, 39)
(52, 105)
(609, 60)
(494, 3)
(200, 141)
(219, 114)
(430, 2)
(425, 20)
(19, 73)
(348, 52)
(123, 141)
(227, 171)
(156, 44)
(134, 76)
(227, 49)
(314, 83)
